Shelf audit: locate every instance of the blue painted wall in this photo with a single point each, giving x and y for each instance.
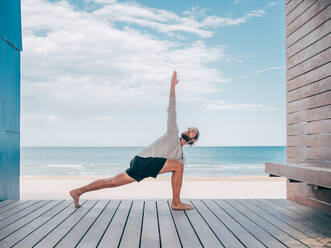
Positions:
(10, 49)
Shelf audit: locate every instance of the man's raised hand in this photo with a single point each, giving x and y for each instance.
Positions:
(174, 80)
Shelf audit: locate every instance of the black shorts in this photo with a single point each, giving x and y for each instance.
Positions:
(141, 168)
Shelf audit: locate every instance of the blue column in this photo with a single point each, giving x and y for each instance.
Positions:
(10, 49)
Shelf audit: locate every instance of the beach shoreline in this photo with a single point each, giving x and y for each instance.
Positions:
(166, 178)
(193, 187)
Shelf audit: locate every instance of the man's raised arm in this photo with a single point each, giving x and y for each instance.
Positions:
(172, 123)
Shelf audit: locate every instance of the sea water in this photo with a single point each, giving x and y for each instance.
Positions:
(108, 161)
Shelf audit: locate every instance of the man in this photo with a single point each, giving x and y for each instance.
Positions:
(164, 155)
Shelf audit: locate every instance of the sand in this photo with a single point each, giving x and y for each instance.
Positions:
(244, 187)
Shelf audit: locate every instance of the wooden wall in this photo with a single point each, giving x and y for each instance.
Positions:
(308, 77)
(308, 93)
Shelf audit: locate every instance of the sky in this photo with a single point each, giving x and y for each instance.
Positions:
(98, 72)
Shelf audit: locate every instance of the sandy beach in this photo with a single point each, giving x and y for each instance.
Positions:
(58, 187)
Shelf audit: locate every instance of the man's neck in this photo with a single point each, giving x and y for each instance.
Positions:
(181, 141)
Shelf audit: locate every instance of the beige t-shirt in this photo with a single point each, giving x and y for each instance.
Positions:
(168, 145)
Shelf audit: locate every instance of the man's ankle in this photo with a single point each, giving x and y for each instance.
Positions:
(175, 202)
(78, 191)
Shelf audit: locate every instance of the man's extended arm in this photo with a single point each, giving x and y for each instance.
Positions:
(172, 124)
(174, 81)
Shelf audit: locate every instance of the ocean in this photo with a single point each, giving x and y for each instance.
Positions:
(108, 161)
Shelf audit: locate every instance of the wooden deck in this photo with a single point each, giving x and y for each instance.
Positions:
(151, 223)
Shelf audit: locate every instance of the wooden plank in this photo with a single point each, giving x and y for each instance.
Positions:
(313, 140)
(186, 233)
(309, 90)
(321, 113)
(321, 153)
(308, 27)
(52, 224)
(64, 227)
(302, 172)
(95, 233)
(26, 230)
(18, 214)
(241, 233)
(205, 233)
(150, 232)
(310, 102)
(10, 208)
(227, 238)
(308, 53)
(131, 235)
(304, 193)
(295, 233)
(292, 5)
(312, 9)
(112, 235)
(303, 210)
(309, 77)
(13, 227)
(5, 203)
(259, 233)
(315, 231)
(316, 223)
(323, 30)
(309, 64)
(72, 238)
(279, 234)
(304, 161)
(168, 233)
(314, 127)
(298, 11)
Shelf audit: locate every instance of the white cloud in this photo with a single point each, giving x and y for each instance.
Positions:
(41, 117)
(240, 1)
(168, 22)
(215, 21)
(273, 3)
(270, 68)
(79, 67)
(224, 105)
(75, 62)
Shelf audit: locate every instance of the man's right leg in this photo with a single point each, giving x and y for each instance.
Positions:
(115, 181)
(177, 170)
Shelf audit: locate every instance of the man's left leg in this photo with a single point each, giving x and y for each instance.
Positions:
(118, 180)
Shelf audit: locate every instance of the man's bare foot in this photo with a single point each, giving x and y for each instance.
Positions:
(74, 194)
(181, 206)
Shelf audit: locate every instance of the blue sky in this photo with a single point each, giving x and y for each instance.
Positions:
(97, 72)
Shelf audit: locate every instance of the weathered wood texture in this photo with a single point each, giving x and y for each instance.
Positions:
(306, 194)
(152, 223)
(308, 101)
(317, 174)
(308, 80)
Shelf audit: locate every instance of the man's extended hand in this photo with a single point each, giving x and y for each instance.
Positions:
(174, 80)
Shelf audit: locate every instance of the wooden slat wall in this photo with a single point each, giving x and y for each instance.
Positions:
(308, 80)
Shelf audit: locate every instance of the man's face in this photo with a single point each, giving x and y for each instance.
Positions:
(189, 134)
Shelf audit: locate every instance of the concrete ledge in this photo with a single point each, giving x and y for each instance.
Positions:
(310, 173)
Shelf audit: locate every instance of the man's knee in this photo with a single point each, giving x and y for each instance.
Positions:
(180, 166)
(172, 165)
(110, 182)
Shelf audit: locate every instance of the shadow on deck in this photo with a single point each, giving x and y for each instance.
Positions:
(151, 223)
